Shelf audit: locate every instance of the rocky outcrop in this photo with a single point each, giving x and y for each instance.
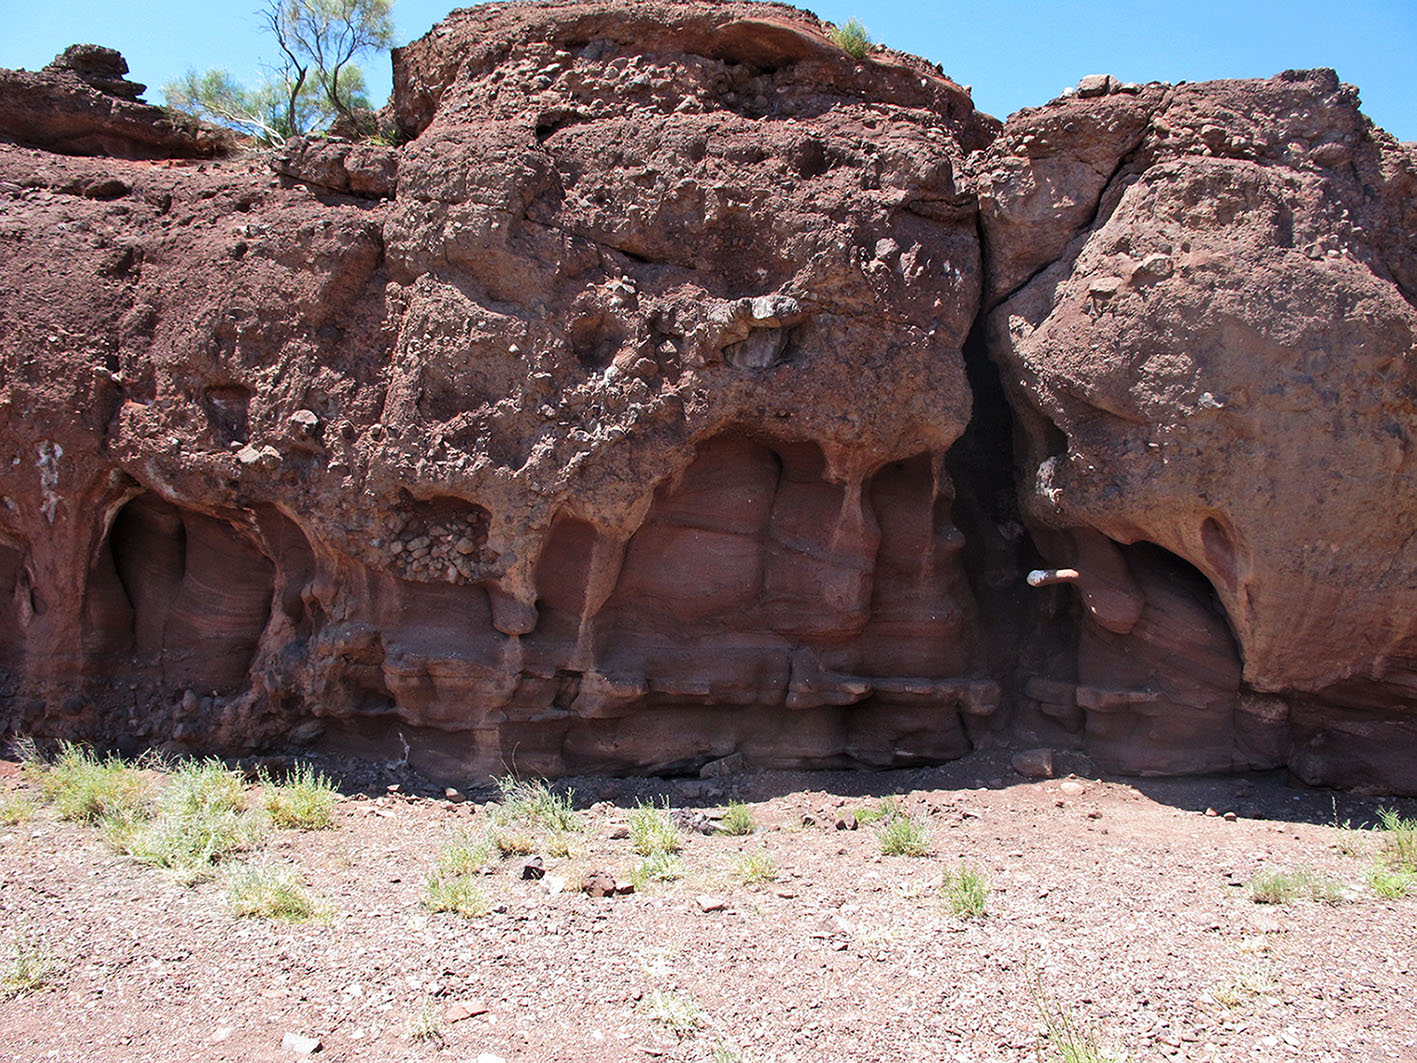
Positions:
(82, 104)
(1213, 354)
(684, 387)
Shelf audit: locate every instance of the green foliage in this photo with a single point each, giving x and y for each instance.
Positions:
(84, 787)
(25, 969)
(1066, 1039)
(902, 837)
(754, 868)
(198, 818)
(266, 892)
(464, 856)
(457, 892)
(1391, 885)
(657, 867)
(537, 806)
(17, 809)
(315, 82)
(966, 892)
(305, 801)
(426, 1027)
(1397, 839)
(653, 831)
(1281, 887)
(680, 1014)
(884, 809)
(738, 820)
(852, 38)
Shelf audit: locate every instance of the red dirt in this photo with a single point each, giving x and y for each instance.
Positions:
(1121, 901)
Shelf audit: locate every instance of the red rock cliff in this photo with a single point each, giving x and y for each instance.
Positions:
(684, 386)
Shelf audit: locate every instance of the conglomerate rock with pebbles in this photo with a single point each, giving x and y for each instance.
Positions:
(644, 407)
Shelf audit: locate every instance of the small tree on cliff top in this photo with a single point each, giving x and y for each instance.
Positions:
(315, 83)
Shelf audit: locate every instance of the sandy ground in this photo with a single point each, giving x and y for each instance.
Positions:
(1120, 905)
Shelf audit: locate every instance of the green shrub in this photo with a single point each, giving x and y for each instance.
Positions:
(464, 856)
(1397, 838)
(1391, 885)
(199, 817)
(26, 968)
(653, 831)
(754, 868)
(852, 38)
(738, 820)
(657, 867)
(266, 892)
(537, 806)
(1281, 887)
(966, 891)
(305, 801)
(456, 892)
(886, 808)
(84, 787)
(678, 1013)
(902, 837)
(17, 809)
(1066, 1038)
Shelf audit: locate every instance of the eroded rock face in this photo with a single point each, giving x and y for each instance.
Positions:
(1219, 362)
(82, 104)
(642, 410)
(602, 427)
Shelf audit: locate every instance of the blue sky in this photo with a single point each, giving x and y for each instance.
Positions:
(1015, 53)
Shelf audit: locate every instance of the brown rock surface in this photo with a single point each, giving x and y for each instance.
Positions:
(1220, 364)
(81, 104)
(637, 413)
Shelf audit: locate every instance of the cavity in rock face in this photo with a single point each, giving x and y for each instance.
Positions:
(684, 387)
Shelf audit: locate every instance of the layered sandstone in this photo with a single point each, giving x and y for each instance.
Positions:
(643, 408)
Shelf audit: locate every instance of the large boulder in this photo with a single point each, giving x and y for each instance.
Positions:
(1213, 354)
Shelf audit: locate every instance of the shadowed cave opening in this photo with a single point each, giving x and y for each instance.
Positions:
(183, 591)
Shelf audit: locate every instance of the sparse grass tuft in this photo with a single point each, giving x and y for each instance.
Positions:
(1391, 885)
(198, 818)
(902, 837)
(966, 891)
(754, 868)
(305, 801)
(1247, 984)
(426, 1027)
(536, 806)
(657, 867)
(738, 820)
(459, 893)
(25, 969)
(463, 856)
(510, 840)
(852, 38)
(678, 1013)
(1067, 1039)
(884, 809)
(1397, 838)
(17, 809)
(266, 892)
(84, 787)
(653, 831)
(1281, 887)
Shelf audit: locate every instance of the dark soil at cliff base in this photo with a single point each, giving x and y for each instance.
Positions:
(1121, 908)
